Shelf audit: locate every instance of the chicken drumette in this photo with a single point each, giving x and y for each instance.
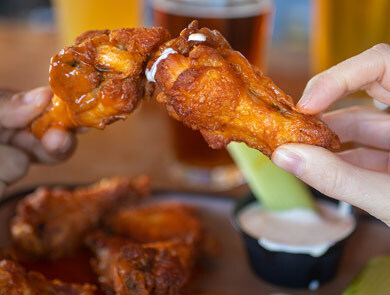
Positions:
(157, 222)
(52, 222)
(214, 89)
(128, 268)
(14, 280)
(100, 79)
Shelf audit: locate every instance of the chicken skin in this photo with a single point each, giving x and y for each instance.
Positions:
(157, 222)
(212, 88)
(100, 79)
(14, 280)
(203, 82)
(127, 268)
(51, 223)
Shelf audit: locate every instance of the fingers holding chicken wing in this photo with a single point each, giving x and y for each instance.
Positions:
(100, 79)
(214, 89)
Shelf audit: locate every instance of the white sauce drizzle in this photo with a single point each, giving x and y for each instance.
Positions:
(152, 72)
(197, 37)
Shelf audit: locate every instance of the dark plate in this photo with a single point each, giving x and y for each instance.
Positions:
(229, 272)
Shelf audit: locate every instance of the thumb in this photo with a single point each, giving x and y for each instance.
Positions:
(336, 178)
(18, 110)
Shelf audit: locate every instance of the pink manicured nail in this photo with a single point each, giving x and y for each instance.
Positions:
(288, 161)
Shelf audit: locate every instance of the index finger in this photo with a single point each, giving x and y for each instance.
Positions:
(368, 71)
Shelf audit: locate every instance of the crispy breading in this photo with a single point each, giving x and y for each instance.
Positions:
(100, 79)
(52, 222)
(14, 280)
(214, 89)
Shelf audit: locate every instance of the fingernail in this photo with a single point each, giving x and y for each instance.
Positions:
(306, 97)
(36, 96)
(56, 141)
(288, 160)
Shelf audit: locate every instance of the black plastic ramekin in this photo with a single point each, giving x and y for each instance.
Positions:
(289, 269)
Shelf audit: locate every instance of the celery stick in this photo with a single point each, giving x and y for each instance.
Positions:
(275, 188)
(373, 280)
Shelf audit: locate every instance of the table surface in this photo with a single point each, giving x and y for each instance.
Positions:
(141, 144)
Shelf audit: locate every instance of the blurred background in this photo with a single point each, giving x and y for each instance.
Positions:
(289, 40)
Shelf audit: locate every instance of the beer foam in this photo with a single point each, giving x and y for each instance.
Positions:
(197, 37)
(152, 72)
(213, 8)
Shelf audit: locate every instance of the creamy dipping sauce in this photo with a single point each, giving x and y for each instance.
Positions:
(297, 230)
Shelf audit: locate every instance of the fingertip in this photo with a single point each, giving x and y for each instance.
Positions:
(58, 142)
(18, 110)
(38, 97)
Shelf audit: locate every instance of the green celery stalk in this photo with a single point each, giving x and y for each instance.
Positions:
(275, 188)
(374, 279)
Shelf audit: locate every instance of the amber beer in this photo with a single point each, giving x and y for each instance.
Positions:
(74, 17)
(245, 24)
(344, 28)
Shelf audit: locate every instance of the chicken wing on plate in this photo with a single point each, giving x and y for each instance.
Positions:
(212, 88)
(128, 268)
(52, 222)
(157, 222)
(100, 79)
(14, 280)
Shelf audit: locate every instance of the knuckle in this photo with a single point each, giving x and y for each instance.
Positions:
(382, 48)
(14, 164)
(331, 180)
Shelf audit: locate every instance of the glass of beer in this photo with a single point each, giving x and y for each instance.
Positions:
(77, 16)
(246, 25)
(344, 28)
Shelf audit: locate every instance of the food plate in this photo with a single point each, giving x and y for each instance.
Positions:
(229, 272)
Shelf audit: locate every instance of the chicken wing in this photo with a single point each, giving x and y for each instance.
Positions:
(14, 280)
(212, 88)
(127, 268)
(100, 79)
(52, 222)
(157, 222)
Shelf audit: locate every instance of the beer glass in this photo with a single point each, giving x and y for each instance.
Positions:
(77, 16)
(344, 28)
(246, 25)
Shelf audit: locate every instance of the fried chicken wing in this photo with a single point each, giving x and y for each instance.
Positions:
(100, 79)
(157, 222)
(52, 222)
(127, 268)
(14, 280)
(212, 88)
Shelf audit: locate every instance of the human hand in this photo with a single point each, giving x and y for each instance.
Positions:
(17, 145)
(359, 176)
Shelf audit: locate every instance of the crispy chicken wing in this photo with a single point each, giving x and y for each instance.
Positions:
(14, 280)
(214, 89)
(100, 79)
(52, 222)
(127, 268)
(157, 222)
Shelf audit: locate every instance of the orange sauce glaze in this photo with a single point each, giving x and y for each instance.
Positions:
(73, 269)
